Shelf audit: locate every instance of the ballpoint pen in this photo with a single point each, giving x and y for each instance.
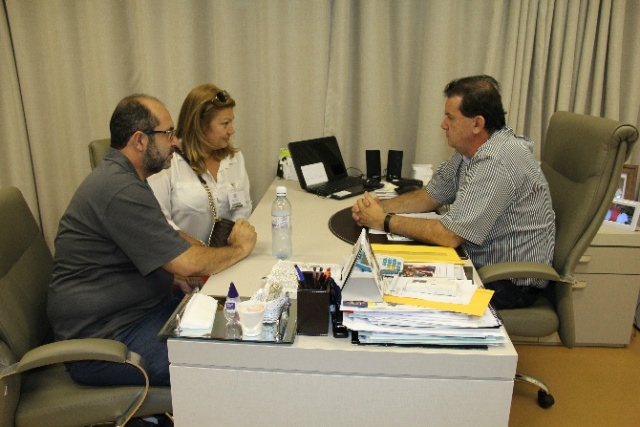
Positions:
(324, 278)
(301, 281)
(328, 275)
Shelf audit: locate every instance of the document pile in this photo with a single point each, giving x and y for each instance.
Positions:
(387, 191)
(428, 303)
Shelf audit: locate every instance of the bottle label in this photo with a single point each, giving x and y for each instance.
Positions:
(280, 222)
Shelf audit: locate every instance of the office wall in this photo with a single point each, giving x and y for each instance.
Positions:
(370, 72)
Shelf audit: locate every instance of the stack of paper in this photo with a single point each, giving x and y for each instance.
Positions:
(453, 311)
(449, 294)
(431, 302)
(383, 323)
(386, 192)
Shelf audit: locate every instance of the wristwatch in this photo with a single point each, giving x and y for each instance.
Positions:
(387, 219)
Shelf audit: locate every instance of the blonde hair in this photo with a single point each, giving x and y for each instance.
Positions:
(198, 109)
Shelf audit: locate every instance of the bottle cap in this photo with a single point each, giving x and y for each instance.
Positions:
(281, 190)
(233, 292)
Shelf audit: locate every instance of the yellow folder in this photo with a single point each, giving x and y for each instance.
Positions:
(477, 306)
(418, 253)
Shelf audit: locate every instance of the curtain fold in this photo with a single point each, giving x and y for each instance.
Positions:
(370, 72)
(15, 155)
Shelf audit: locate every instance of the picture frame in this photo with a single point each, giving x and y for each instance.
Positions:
(623, 214)
(630, 177)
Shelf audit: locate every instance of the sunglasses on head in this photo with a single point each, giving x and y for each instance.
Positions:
(221, 98)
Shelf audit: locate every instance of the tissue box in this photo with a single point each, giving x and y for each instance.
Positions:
(313, 307)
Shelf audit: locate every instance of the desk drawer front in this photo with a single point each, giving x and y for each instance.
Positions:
(603, 259)
(604, 308)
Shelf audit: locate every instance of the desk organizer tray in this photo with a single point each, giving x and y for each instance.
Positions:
(222, 331)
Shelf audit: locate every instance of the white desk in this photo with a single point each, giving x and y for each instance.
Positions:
(324, 381)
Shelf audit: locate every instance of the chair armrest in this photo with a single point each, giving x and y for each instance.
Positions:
(84, 349)
(74, 350)
(561, 295)
(517, 270)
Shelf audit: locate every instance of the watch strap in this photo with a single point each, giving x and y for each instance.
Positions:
(387, 219)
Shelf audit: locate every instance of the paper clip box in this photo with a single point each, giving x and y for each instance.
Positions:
(313, 307)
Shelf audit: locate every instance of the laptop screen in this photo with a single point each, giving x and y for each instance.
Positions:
(306, 154)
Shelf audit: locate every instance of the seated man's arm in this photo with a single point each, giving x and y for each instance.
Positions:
(200, 260)
(424, 230)
(371, 212)
(417, 201)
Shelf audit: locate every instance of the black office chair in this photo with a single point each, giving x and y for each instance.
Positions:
(582, 160)
(37, 390)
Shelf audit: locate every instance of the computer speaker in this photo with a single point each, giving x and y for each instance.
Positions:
(374, 170)
(394, 165)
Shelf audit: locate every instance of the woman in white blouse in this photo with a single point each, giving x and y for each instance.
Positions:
(209, 161)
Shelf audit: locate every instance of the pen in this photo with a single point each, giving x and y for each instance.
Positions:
(324, 278)
(301, 281)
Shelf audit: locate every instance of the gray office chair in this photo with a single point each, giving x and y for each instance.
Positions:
(582, 160)
(37, 390)
(97, 150)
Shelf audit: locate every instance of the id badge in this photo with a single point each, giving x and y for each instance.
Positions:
(236, 199)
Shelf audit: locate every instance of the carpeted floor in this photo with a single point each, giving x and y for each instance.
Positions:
(592, 386)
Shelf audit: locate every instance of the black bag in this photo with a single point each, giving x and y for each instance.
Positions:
(221, 231)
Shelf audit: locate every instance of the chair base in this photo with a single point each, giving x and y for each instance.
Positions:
(545, 399)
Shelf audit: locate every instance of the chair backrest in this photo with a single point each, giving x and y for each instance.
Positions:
(97, 150)
(582, 160)
(25, 271)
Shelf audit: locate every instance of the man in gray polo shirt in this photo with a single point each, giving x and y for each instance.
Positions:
(116, 255)
(500, 201)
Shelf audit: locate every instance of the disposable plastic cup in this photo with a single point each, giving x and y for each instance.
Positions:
(251, 314)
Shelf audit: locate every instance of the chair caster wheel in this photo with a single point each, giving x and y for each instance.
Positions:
(545, 400)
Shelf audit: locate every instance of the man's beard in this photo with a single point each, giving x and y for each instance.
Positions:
(153, 161)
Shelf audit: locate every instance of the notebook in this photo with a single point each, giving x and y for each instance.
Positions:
(321, 170)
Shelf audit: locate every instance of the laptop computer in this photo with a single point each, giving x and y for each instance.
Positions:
(321, 169)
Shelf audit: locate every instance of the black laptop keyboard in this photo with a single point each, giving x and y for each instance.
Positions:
(335, 186)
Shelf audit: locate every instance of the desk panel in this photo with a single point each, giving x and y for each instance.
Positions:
(231, 397)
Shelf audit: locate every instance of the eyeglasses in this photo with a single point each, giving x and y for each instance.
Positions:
(221, 98)
(169, 132)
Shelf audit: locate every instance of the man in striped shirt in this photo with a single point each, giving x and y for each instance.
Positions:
(500, 206)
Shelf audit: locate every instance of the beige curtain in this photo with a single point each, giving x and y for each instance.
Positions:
(16, 167)
(370, 72)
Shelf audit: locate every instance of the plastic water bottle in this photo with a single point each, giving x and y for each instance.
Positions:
(231, 304)
(281, 225)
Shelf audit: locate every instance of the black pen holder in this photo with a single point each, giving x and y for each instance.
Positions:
(313, 306)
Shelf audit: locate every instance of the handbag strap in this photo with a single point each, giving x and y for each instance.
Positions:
(212, 205)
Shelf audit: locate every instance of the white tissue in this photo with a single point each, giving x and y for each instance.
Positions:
(199, 315)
